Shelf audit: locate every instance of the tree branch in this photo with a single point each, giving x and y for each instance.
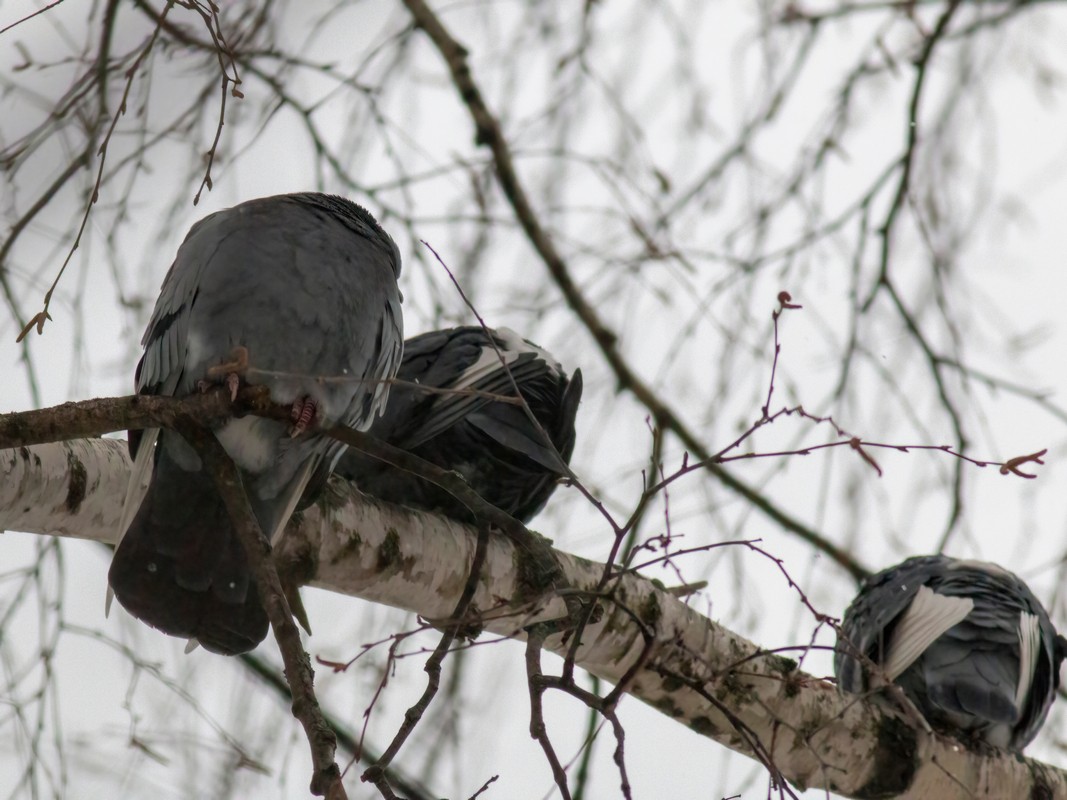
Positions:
(700, 673)
(488, 133)
(271, 678)
(326, 775)
(83, 418)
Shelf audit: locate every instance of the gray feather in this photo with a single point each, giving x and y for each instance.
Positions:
(508, 460)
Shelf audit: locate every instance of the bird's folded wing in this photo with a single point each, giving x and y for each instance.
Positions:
(928, 616)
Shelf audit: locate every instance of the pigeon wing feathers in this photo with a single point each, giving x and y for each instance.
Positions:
(166, 338)
(1029, 652)
(486, 364)
(883, 597)
(469, 397)
(510, 427)
(307, 284)
(161, 365)
(989, 672)
(928, 616)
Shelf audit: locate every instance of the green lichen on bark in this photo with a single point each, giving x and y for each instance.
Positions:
(537, 569)
(786, 669)
(1043, 783)
(336, 494)
(651, 612)
(704, 726)
(733, 691)
(672, 683)
(351, 542)
(389, 554)
(895, 759)
(76, 483)
(780, 664)
(666, 705)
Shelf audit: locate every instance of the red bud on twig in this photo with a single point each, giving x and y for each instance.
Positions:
(1012, 464)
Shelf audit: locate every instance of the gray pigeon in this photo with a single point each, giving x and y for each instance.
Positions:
(282, 292)
(503, 456)
(966, 641)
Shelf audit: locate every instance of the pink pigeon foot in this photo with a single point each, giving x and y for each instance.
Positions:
(230, 372)
(302, 414)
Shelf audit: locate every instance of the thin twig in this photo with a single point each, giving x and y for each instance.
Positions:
(488, 132)
(326, 776)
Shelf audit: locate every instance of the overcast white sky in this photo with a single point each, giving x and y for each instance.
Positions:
(697, 332)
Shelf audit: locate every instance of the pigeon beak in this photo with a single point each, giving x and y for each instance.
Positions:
(191, 645)
(107, 601)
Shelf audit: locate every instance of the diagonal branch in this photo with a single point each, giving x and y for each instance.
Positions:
(77, 420)
(537, 563)
(488, 133)
(326, 776)
(270, 677)
(703, 675)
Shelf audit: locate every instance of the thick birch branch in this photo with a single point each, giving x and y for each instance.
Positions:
(421, 562)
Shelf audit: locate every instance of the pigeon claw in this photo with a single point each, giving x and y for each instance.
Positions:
(302, 415)
(229, 372)
(232, 381)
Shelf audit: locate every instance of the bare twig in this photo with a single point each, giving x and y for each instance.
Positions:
(489, 134)
(376, 774)
(38, 320)
(326, 776)
(270, 677)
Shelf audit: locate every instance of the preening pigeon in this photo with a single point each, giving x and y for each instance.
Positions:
(966, 641)
(302, 287)
(493, 444)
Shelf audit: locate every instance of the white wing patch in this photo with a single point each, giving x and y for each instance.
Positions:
(488, 362)
(1029, 646)
(274, 536)
(929, 615)
(140, 478)
(515, 342)
(136, 489)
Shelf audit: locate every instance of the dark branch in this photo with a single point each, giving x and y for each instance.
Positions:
(488, 132)
(326, 776)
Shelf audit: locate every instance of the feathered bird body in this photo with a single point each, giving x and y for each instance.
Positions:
(967, 641)
(306, 284)
(443, 410)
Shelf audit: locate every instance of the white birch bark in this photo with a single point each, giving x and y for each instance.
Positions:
(419, 562)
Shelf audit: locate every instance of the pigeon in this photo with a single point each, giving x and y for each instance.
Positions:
(966, 641)
(442, 409)
(294, 292)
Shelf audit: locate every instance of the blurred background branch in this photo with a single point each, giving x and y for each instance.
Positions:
(629, 185)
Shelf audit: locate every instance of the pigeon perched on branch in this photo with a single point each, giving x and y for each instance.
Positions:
(966, 641)
(297, 293)
(454, 404)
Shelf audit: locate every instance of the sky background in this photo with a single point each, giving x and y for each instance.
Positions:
(615, 120)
